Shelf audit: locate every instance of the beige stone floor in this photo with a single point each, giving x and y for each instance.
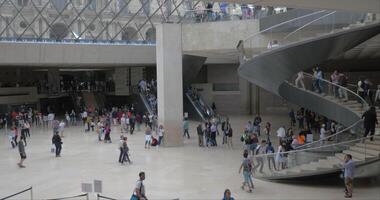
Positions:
(188, 172)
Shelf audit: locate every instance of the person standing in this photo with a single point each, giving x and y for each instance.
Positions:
(139, 191)
(270, 150)
(348, 168)
(299, 79)
(281, 133)
(186, 128)
(61, 128)
(260, 152)
(370, 121)
(107, 134)
(246, 166)
(21, 150)
(121, 143)
(267, 131)
(213, 134)
(200, 135)
(229, 136)
(160, 133)
(57, 141)
(148, 137)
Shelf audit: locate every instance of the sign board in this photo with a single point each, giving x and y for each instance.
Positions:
(86, 187)
(98, 186)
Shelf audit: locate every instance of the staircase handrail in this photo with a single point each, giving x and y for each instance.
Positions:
(15, 194)
(330, 136)
(282, 23)
(308, 149)
(146, 103)
(364, 102)
(196, 108)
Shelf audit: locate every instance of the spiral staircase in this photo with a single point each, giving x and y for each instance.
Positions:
(274, 70)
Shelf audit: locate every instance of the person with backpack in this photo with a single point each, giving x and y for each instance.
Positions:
(139, 191)
(246, 166)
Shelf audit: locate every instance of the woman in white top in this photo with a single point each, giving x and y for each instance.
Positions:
(299, 79)
(160, 134)
(280, 158)
(148, 137)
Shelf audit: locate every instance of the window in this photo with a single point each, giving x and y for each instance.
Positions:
(92, 5)
(22, 2)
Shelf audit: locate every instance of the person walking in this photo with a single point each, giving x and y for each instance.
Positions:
(186, 128)
(125, 150)
(121, 143)
(21, 150)
(139, 191)
(370, 121)
(246, 166)
(227, 195)
(348, 170)
(57, 141)
(229, 136)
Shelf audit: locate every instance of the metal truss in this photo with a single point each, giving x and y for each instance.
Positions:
(22, 19)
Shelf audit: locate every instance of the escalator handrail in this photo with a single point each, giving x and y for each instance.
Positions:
(196, 108)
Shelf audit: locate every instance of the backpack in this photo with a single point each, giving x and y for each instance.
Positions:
(247, 166)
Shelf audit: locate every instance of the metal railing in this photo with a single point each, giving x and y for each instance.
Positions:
(295, 161)
(23, 191)
(299, 29)
(335, 92)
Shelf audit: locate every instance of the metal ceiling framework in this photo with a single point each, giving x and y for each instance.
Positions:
(63, 19)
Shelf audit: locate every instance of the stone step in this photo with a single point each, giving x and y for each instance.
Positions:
(374, 142)
(369, 146)
(357, 155)
(365, 151)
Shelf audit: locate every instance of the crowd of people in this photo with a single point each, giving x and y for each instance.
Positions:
(364, 87)
(149, 90)
(227, 11)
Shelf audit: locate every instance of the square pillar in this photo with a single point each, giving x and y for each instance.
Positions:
(169, 82)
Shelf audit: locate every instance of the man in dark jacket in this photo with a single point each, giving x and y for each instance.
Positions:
(57, 141)
(370, 121)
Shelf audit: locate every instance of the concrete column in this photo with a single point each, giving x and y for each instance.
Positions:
(169, 82)
(53, 81)
(245, 96)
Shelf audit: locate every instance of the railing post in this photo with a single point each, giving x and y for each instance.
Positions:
(31, 193)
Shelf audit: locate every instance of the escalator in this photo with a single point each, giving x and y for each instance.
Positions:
(196, 107)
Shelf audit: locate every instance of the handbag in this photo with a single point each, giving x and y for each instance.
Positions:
(134, 197)
(52, 149)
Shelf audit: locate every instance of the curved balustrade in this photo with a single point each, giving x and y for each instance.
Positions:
(306, 163)
(305, 27)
